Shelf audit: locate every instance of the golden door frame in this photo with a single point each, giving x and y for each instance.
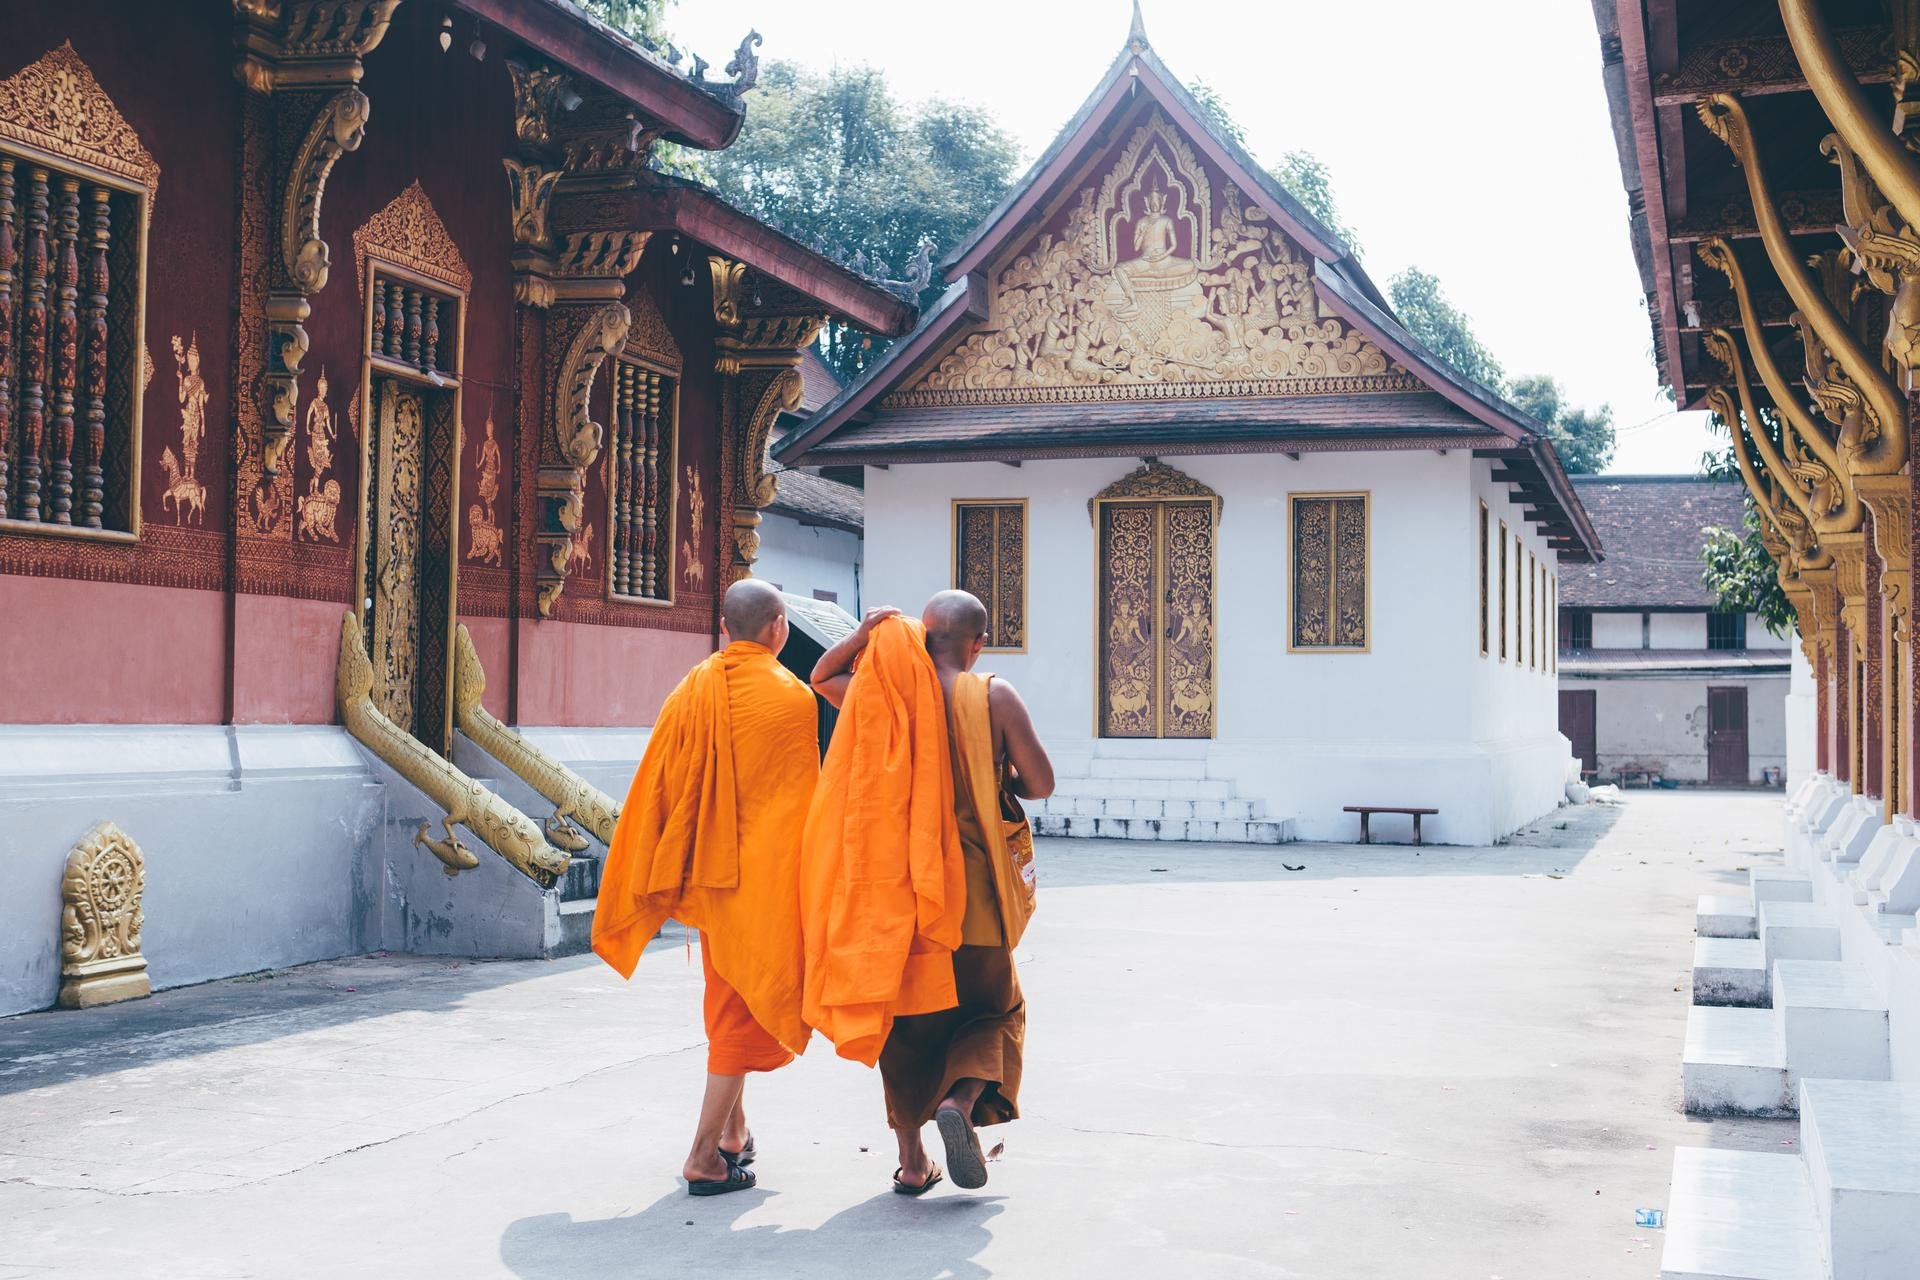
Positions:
(1156, 482)
(1293, 570)
(448, 385)
(1026, 559)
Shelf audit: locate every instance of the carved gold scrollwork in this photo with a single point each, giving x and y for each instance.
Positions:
(573, 797)
(728, 279)
(540, 93)
(339, 127)
(574, 445)
(1840, 95)
(500, 826)
(1809, 478)
(101, 919)
(1153, 479)
(530, 188)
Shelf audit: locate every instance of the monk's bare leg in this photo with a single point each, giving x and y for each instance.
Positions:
(963, 1095)
(735, 1135)
(704, 1162)
(915, 1165)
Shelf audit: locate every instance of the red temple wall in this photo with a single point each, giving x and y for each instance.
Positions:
(492, 641)
(286, 653)
(111, 653)
(578, 674)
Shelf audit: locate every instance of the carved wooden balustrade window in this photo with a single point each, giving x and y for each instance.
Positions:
(1484, 620)
(1503, 591)
(1330, 576)
(1553, 598)
(641, 482)
(72, 259)
(413, 328)
(990, 560)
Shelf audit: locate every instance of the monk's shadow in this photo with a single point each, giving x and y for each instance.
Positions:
(889, 1237)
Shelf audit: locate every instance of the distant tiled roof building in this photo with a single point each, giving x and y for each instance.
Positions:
(810, 498)
(1653, 528)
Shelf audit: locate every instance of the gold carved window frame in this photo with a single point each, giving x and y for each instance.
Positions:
(1484, 559)
(54, 112)
(666, 366)
(1533, 612)
(1519, 600)
(1294, 497)
(1553, 603)
(1026, 560)
(1503, 591)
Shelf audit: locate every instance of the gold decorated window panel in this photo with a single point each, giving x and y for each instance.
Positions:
(72, 280)
(1156, 619)
(1533, 606)
(1553, 630)
(412, 328)
(990, 561)
(641, 488)
(1330, 587)
(1503, 591)
(1519, 603)
(1484, 568)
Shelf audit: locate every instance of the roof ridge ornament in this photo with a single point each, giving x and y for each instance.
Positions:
(1137, 33)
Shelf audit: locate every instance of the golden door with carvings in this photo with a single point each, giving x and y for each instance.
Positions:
(407, 571)
(1156, 619)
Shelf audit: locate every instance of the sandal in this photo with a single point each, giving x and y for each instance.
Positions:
(963, 1148)
(737, 1179)
(909, 1189)
(743, 1157)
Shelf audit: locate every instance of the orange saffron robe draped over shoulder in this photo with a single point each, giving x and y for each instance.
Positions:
(883, 881)
(710, 833)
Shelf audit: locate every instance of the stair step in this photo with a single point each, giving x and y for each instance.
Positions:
(1725, 916)
(1832, 1023)
(1732, 1064)
(1777, 884)
(1798, 931)
(1729, 971)
(1145, 788)
(1085, 806)
(1108, 767)
(1740, 1215)
(1258, 831)
(1859, 1141)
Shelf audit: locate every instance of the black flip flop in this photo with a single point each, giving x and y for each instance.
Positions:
(900, 1188)
(963, 1148)
(743, 1157)
(737, 1179)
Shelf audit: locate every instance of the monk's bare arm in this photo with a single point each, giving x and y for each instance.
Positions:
(834, 672)
(1032, 770)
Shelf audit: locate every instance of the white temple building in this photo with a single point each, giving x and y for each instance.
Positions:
(1252, 554)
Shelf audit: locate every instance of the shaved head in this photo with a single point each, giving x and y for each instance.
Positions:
(753, 610)
(956, 622)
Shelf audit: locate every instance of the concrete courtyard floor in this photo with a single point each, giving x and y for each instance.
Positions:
(1458, 1063)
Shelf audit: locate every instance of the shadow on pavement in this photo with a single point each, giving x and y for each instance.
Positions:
(678, 1236)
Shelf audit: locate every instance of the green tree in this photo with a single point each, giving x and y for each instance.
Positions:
(1582, 437)
(1442, 328)
(836, 160)
(642, 19)
(1302, 173)
(1741, 574)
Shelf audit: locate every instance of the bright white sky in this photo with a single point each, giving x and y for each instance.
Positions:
(1472, 141)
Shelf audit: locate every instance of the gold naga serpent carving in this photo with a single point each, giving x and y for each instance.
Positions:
(572, 796)
(500, 826)
(1154, 288)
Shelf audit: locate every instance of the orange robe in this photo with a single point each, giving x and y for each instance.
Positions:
(710, 836)
(883, 884)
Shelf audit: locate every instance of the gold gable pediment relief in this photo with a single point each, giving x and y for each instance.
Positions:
(408, 233)
(55, 106)
(1155, 285)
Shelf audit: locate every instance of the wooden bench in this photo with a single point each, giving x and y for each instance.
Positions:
(1366, 811)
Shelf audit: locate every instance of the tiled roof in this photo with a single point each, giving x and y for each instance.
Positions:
(1653, 530)
(818, 382)
(1647, 662)
(816, 500)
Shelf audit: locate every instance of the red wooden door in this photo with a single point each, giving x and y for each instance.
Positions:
(1577, 723)
(1727, 736)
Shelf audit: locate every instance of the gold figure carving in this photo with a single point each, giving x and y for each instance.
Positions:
(55, 105)
(574, 798)
(500, 826)
(100, 921)
(1149, 290)
(184, 490)
(580, 560)
(693, 565)
(484, 531)
(320, 508)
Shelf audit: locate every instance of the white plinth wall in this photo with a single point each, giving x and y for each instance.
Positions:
(1421, 719)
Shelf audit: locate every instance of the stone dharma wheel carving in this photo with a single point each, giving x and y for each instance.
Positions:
(100, 921)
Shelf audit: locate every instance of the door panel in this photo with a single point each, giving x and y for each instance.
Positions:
(1727, 736)
(1156, 619)
(395, 563)
(1577, 722)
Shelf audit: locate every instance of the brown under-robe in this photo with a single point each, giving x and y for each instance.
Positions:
(982, 1037)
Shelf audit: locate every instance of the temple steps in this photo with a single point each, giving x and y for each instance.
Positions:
(1740, 1215)
(1729, 971)
(1725, 916)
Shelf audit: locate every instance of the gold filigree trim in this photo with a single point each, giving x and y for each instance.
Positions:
(648, 337)
(408, 233)
(1153, 480)
(56, 106)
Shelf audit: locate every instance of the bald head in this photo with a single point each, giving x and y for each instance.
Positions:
(753, 610)
(956, 624)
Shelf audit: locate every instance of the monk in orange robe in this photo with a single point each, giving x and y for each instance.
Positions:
(710, 836)
(950, 1037)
